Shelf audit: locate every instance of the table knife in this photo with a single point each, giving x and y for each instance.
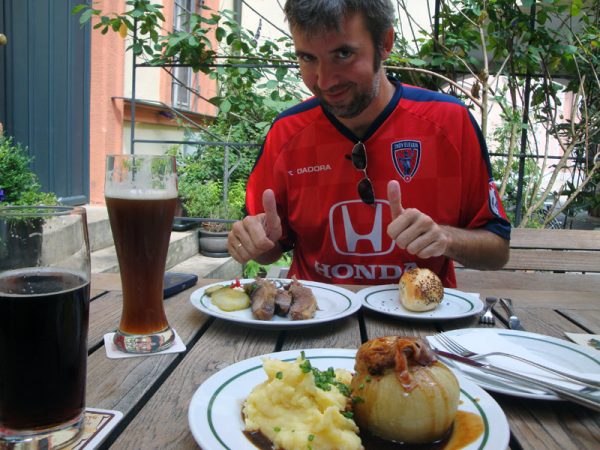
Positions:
(582, 398)
(514, 323)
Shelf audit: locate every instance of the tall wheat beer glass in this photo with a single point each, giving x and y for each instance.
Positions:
(44, 310)
(141, 194)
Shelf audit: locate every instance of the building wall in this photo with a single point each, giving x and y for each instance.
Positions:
(106, 114)
(111, 81)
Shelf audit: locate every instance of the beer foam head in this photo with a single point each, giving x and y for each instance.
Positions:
(141, 177)
(140, 194)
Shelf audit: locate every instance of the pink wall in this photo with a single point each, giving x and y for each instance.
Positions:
(106, 115)
(107, 81)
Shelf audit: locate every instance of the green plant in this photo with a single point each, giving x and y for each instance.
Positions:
(205, 199)
(256, 80)
(492, 54)
(252, 269)
(18, 184)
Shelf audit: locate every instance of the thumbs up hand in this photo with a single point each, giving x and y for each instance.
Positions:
(254, 236)
(270, 219)
(413, 230)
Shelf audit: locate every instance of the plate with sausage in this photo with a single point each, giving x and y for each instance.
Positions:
(275, 303)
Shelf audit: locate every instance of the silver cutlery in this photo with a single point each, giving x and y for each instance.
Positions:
(581, 398)
(514, 323)
(457, 348)
(487, 317)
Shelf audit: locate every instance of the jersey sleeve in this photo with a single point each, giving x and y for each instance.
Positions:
(481, 206)
(267, 174)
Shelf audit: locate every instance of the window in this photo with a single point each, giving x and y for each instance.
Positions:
(183, 76)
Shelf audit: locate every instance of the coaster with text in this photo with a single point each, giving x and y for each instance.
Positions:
(114, 353)
(587, 340)
(98, 423)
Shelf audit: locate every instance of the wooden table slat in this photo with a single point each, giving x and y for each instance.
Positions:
(154, 392)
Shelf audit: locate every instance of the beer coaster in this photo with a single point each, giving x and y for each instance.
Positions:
(98, 423)
(114, 353)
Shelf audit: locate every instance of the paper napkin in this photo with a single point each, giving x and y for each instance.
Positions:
(589, 341)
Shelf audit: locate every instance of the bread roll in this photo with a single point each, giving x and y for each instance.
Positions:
(420, 290)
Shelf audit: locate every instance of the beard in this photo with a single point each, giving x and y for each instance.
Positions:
(360, 100)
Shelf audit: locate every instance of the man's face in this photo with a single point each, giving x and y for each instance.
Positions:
(338, 67)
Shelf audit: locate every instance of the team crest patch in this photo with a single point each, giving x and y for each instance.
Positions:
(406, 156)
(494, 199)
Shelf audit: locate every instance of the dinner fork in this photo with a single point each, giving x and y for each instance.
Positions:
(487, 317)
(457, 348)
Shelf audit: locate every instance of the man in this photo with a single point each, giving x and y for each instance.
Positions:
(369, 177)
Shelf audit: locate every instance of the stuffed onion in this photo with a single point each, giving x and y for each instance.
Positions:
(401, 392)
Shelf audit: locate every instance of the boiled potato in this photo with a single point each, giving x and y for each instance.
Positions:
(212, 289)
(229, 299)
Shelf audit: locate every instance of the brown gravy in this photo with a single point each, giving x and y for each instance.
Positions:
(466, 429)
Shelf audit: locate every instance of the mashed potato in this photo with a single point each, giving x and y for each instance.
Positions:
(300, 407)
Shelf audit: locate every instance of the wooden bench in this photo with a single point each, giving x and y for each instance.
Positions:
(545, 259)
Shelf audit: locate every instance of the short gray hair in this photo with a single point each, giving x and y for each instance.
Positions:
(314, 16)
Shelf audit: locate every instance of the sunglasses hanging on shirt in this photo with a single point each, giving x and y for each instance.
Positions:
(359, 161)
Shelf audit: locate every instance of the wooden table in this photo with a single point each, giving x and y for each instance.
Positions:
(154, 392)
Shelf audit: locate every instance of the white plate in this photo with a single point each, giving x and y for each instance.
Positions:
(455, 304)
(333, 303)
(545, 348)
(215, 417)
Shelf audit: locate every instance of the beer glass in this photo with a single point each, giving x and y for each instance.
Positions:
(44, 308)
(141, 195)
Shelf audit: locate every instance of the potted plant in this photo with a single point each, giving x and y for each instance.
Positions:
(205, 200)
(19, 186)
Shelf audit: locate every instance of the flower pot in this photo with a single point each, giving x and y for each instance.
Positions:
(213, 243)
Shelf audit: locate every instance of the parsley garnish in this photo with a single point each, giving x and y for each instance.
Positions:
(277, 429)
(311, 437)
(324, 379)
(348, 414)
(279, 375)
(305, 367)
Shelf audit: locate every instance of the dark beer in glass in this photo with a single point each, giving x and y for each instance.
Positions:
(141, 195)
(44, 310)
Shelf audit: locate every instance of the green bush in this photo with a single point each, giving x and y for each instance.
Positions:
(253, 269)
(205, 199)
(18, 184)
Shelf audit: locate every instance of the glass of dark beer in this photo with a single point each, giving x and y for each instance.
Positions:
(44, 310)
(141, 195)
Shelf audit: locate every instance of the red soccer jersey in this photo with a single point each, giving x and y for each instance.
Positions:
(427, 141)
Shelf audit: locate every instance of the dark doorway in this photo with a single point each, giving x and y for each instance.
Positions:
(44, 91)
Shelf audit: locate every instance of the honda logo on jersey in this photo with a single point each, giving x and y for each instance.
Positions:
(356, 230)
(406, 156)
